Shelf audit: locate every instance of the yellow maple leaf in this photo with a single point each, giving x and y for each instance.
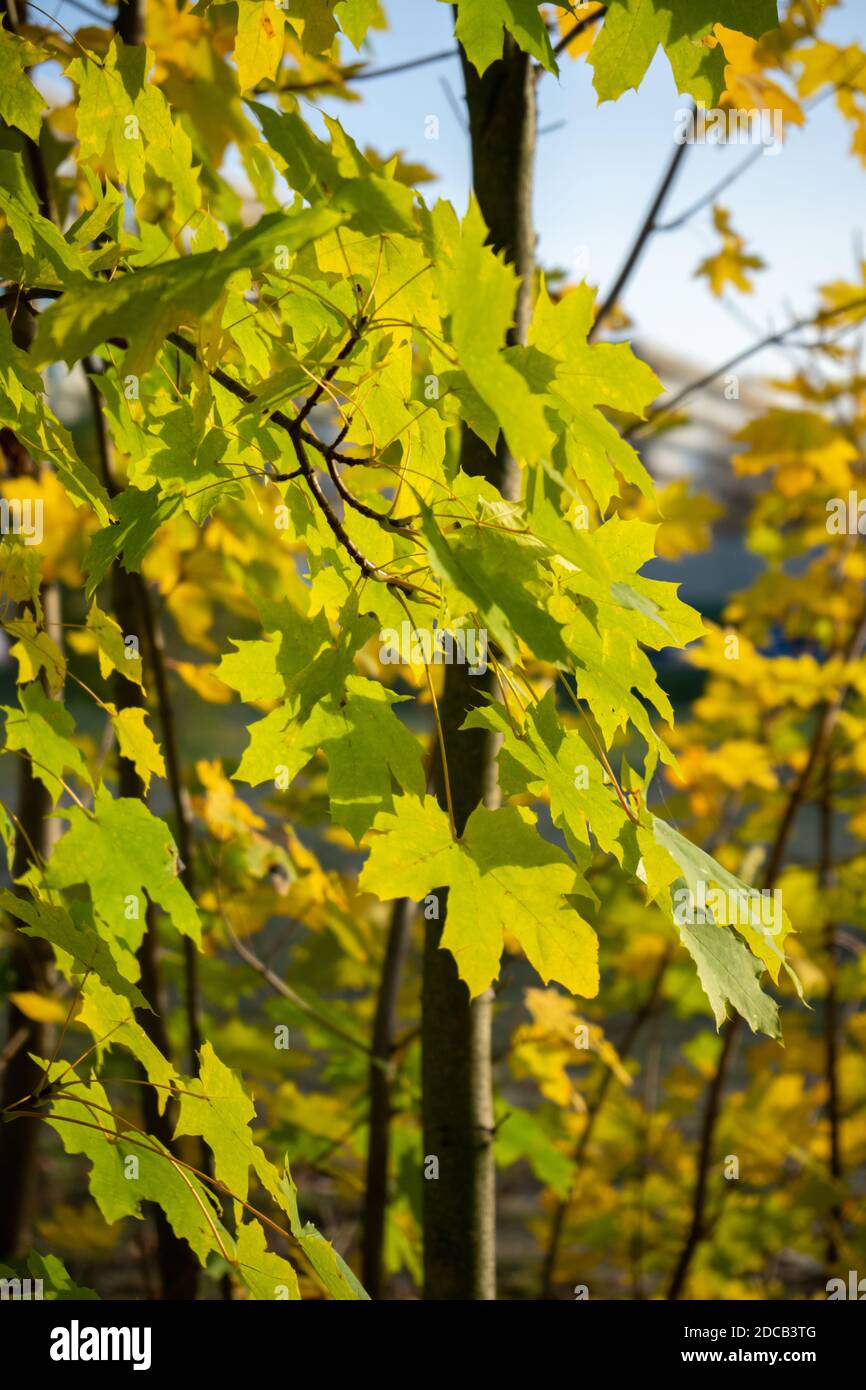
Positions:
(729, 266)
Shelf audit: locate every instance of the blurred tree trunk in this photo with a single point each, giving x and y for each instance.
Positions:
(460, 1204)
(380, 1084)
(129, 21)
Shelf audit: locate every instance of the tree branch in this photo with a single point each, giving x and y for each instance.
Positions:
(772, 339)
(381, 1079)
(645, 233)
(301, 439)
(356, 74)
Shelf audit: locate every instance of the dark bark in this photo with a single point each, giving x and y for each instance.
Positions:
(381, 1082)
(129, 21)
(459, 1206)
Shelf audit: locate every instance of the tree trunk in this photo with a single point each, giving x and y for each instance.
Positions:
(381, 1079)
(129, 21)
(459, 1204)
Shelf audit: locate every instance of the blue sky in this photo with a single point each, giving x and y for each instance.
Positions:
(802, 210)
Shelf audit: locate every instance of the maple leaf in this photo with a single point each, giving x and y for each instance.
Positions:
(729, 266)
(260, 37)
(481, 24)
(500, 876)
(119, 851)
(633, 30)
(21, 104)
(43, 728)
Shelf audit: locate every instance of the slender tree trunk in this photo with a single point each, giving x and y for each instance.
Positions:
(129, 21)
(381, 1081)
(459, 1204)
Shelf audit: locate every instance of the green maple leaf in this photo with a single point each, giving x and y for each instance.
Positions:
(363, 740)
(552, 758)
(125, 126)
(189, 1205)
(503, 576)
(78, 1120)
(86, 1125)
(158, 298)
(654, 615)
(37, 430)
(59, 1285)
(266, 1275)
(633, 30)
(21, 104)
(357, 17)
(480, 25)
(521, 1134)
(111, 1021)
(729, 974)
(140, 515)
(187, 458)
(580, 379)
(697, 867)
(87, 951)
(729, 968)
(251, 670)
(374, 204)
(43, 729)
(280, 746)
(47, 258)
(479, 291)
(216, 1106)
(329, 1265)
(319, 26)
(366, 745)
(501, 876)
(119, 851)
